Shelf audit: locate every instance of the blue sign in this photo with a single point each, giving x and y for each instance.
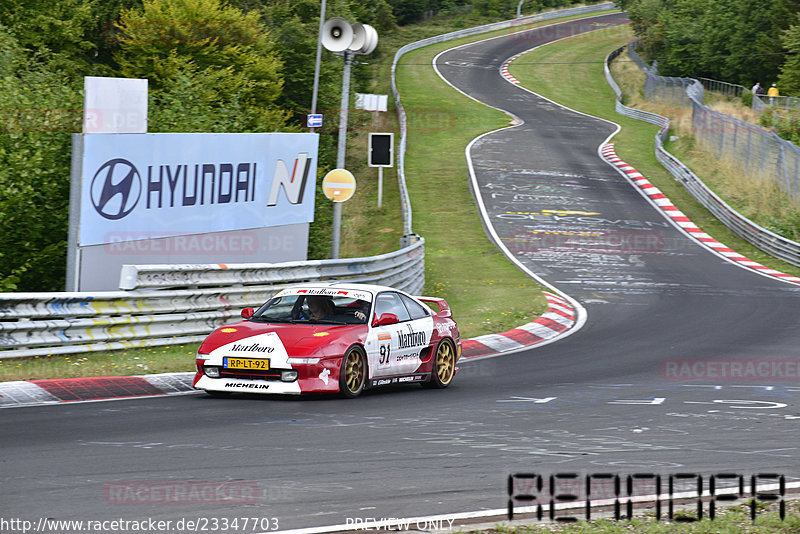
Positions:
(314, 121)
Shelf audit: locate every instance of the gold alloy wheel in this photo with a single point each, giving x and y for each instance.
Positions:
(445, 363)
(354, 373)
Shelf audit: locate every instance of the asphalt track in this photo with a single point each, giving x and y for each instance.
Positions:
(601, 400)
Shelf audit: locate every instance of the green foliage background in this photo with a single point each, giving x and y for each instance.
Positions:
(737, 41)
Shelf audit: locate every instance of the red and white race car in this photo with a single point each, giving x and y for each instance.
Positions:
(332, 337)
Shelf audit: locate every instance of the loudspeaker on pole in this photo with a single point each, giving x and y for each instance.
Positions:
(337, 34)
(370, 40)
(359, 37)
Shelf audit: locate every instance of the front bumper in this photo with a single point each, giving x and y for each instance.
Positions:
(320, 377)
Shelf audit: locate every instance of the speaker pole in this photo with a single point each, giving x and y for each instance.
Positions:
(345, 106)
(340, 153)
(380, 186)
(317, 64)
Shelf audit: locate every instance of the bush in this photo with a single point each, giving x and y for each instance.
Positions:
(227, 56)
(785, 123)
(39, 109)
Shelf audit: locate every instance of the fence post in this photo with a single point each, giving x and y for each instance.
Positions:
(784, 173)
(796, 173)
(747, 153)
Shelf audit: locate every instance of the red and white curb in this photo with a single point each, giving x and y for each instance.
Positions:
(507, 63)
(559, 317)
(56, 391)
(665, 204)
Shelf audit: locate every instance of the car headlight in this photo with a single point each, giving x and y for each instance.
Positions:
(289, 376)
(212, 372)
(302, 361)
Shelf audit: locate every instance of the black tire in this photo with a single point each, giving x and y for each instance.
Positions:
(353, 373)
(218, 394)
(444, 365)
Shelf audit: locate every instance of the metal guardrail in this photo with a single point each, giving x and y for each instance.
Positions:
(37, 324)
(646, 116)
(771, 243)
(401, 114)
(375, 269)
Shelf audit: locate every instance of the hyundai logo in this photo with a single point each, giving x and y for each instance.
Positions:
(116, 188)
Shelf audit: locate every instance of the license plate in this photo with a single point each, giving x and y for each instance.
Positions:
(259, 364)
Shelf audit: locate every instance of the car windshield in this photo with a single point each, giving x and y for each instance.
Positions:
(313, 309)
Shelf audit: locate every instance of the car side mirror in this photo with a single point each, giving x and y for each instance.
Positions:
(386, 319)
(247, 313)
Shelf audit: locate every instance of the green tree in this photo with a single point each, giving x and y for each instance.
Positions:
(682, 32)
(408, 11)
(39, 109)
(738, 41)
(646, 23)
(104, 33)
(790, 71)
(208, 100)
(295, 24)
(54, 31)
(189, 43)
(378, 14)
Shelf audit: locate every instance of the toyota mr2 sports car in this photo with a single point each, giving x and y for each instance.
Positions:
(332, 337)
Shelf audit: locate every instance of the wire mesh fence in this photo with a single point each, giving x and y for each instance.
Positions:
(762, 102)
(729, 90)
(763, 154)
(769, 242)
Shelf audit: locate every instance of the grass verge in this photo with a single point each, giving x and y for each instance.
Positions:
(140, 361)
(571, 73)
(734, 519)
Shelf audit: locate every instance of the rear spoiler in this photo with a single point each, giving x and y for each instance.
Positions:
(444, 308)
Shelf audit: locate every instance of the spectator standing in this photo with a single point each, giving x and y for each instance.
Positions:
(757, 89)
(772, 93)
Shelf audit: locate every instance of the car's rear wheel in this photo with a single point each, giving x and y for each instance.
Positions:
(353, 374)
(444, 365)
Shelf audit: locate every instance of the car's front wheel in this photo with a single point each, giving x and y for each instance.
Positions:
(353, 374)
(444, 365)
